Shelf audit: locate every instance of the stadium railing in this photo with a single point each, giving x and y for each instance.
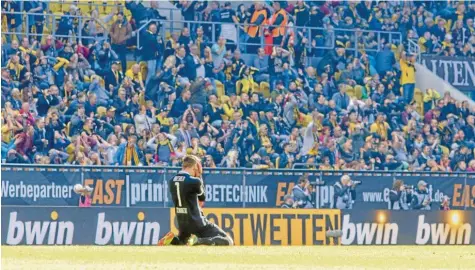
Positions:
(170, 26)
(414, 48)
(52, 23)
(347, 34)
(102, 6)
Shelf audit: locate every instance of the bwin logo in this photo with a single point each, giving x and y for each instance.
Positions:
(439, 233)
(121, 233)
(35, 232)
(369, 233)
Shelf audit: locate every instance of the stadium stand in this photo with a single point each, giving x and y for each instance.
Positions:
(113, 82)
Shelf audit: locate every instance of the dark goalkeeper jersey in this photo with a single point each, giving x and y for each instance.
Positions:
(186, 191)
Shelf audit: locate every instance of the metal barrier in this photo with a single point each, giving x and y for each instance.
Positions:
(103, 8)
(51, 21)
(414, 48)
(354, 36)
(325, 40)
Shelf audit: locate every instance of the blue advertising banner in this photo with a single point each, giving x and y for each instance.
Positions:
(270, 187)
(224, 188)
(458, 71)
(147, 187)
(39, 185)
(109, 185)
(374, 191)
(29, 225)
(37, 225)
(383, 227)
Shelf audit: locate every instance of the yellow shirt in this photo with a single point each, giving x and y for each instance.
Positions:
(164, 121)
(200, 152)
(6, 134)
(408, 72)
(352, 127)
(326, 167)
(136, 77)
(446, 45)
(431, 95)
(229, 111)
(381, 129)
(421, 42)
(18, 68)
(313, 152)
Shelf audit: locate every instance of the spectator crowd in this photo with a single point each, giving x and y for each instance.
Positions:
(84, 102)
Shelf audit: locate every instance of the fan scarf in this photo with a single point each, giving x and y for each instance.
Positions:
(129, 154)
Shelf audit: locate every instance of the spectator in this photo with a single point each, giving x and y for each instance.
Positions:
(25, 144)
(227, 17)
(14, 21)
(47, 100)
(43, 137)
(180, 105)
(151, 50)
(385, 60)
(128, 153)
(408, 76)
(261, 63)
(341, 99)
(143, 121)
(186, 68)
(113, 77)
(163, 145)
(35, 7)
(380, 127)
(347, 105)
(135, 75)
(120, 32)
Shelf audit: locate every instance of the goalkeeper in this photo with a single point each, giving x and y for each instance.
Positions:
(187, 193)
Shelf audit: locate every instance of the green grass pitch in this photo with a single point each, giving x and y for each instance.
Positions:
(216, 258)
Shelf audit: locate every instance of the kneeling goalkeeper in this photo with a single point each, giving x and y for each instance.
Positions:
(187, 191)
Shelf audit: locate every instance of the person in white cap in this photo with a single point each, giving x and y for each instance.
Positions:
(421, 197)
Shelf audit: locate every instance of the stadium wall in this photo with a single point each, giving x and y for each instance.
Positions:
(30, 225)
(225, 188)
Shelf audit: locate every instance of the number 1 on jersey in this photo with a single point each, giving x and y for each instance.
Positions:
(177, 184)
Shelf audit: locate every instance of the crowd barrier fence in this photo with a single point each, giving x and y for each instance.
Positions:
(52, 22)
(323, 38)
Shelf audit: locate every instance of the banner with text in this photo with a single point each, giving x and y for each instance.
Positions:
(458, 71)
(39, 185)
(147, 187)
(270, 187)
(109, 186)
(361, 227)
(224, 188)
(373, 192)
(27, 225)
(286, 227)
